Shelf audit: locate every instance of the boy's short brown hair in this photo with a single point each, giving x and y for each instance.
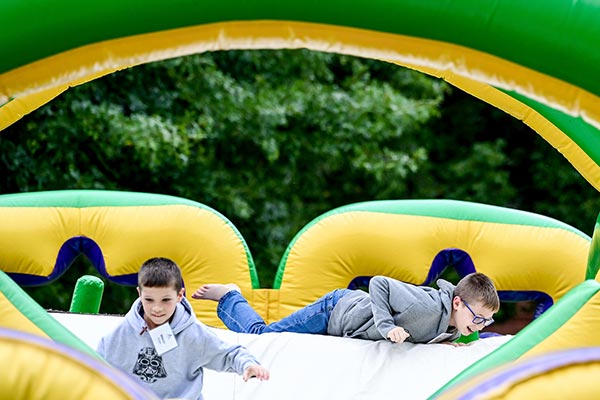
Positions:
(160, 272)
(478, 287)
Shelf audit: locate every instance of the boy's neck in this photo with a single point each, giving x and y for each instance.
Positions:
(451, 323)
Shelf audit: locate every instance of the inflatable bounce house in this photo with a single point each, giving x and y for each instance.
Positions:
(410, 240)
(536, 60)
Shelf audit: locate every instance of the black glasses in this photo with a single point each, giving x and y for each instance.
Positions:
(477, 319)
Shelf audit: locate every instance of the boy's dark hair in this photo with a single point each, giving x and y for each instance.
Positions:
(160, 272)
(478, 287)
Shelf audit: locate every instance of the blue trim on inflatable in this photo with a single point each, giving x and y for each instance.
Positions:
(359, 282)
(68, 252)
(453, 258)
(458, 259)
(543, 300)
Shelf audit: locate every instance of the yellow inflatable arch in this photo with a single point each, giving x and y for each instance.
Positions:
(535, 60)
(20, 312)
(42, 233)
(415, 240)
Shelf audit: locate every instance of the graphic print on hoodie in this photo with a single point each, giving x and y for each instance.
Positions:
(149, 365)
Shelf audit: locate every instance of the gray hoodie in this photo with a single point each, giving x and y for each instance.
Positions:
(421, 310)
(178, 372)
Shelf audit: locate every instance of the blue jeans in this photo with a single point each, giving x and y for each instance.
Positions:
(239, 316)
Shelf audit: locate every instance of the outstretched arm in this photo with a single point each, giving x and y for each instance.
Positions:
(383, 307)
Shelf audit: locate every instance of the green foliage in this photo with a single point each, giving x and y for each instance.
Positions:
(481, 154)
(273, 139)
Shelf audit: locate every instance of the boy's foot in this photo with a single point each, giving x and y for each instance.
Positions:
(214, 291)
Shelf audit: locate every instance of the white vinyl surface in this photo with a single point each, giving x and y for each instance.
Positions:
(319, 367)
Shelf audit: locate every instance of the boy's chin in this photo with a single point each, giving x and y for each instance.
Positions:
(466, 331)
(160, 322)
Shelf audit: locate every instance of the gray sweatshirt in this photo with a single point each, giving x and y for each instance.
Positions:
(177, 373)
(421, 310)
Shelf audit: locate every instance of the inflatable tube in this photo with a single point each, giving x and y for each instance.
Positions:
(536, 60)
(118, 231)
(20, 312)
(415, 240)
(568, 374)
(593, 269)
(43, 369)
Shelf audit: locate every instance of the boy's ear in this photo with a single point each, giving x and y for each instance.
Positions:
(455, 302)
(139, 291)
(180, 294)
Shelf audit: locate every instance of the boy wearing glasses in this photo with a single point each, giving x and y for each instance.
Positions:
(392, 310)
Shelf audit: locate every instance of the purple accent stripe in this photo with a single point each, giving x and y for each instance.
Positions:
(535, 366)
(454, 258)
(67, 253)
(120, 380)
(458, 259)
(544, 301)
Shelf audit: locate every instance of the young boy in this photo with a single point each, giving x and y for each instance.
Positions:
(392, 310)
(162, 344)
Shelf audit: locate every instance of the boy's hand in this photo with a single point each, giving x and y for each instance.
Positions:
(398, 335)
(256, 371)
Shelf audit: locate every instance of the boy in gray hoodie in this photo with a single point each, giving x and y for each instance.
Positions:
(392, 310)
(162, 344)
